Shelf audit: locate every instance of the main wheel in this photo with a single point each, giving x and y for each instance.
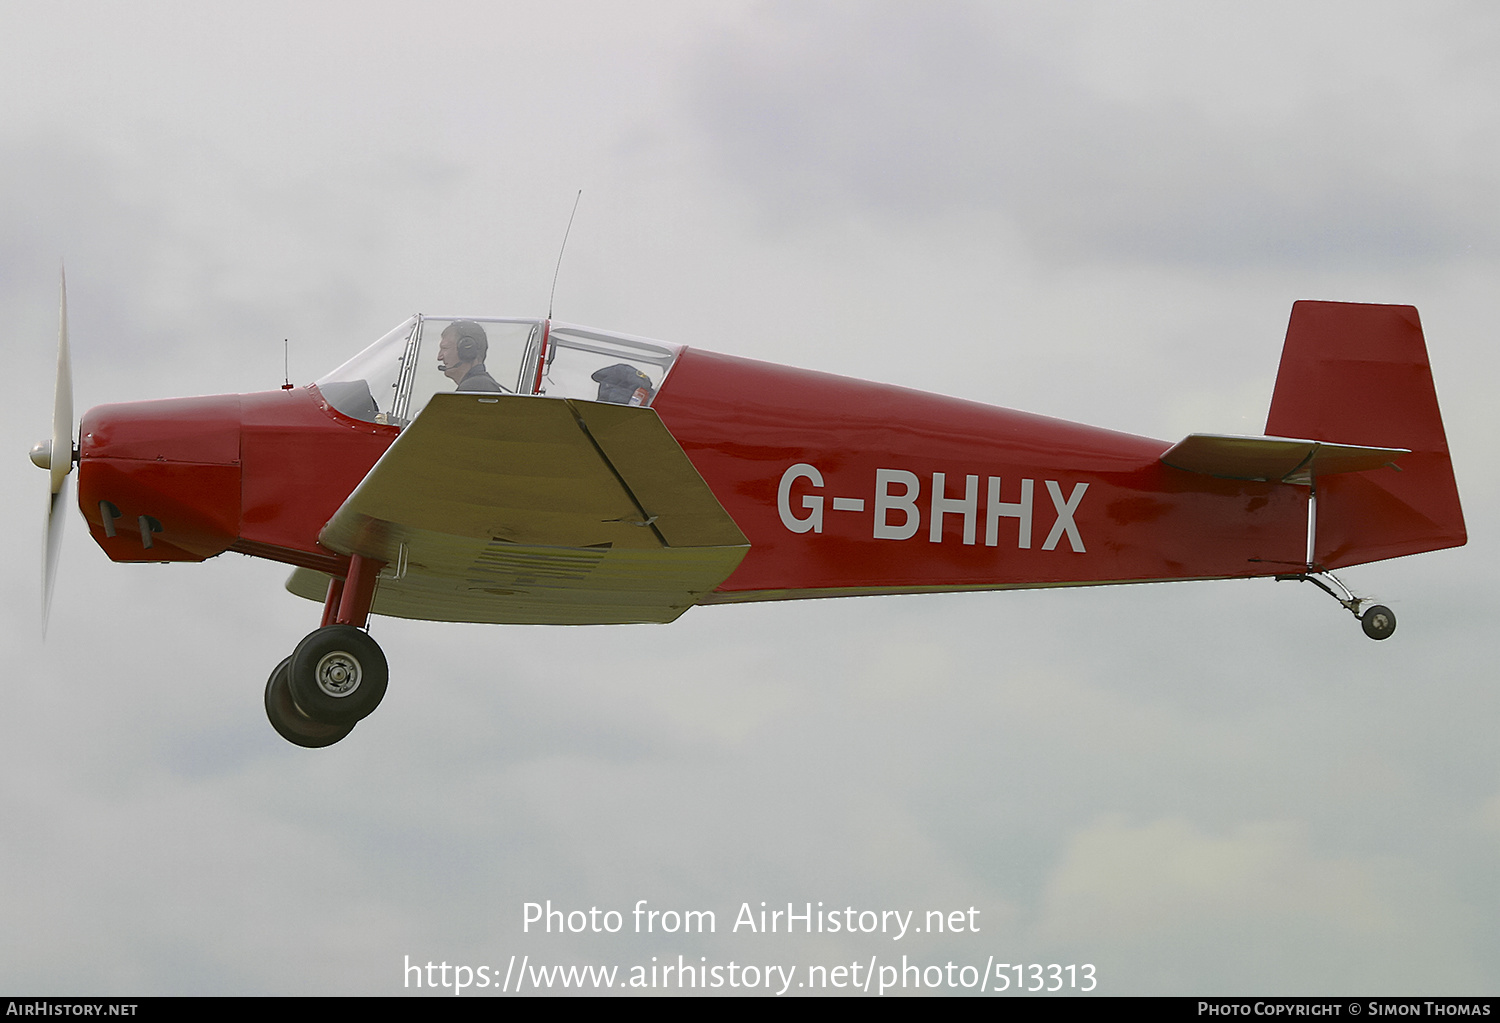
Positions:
(338, 675)
(1378, 622)
(290, 723)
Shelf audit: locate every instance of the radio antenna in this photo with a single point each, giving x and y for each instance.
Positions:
(553, 294)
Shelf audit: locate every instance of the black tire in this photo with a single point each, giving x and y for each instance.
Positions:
(338, 675)
(290, 723)
(1378, 622)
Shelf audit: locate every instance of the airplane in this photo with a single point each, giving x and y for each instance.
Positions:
(480, 469)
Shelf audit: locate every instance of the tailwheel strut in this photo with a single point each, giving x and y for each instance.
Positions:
(1378, 621)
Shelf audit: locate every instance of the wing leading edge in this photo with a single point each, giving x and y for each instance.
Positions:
(532, 510)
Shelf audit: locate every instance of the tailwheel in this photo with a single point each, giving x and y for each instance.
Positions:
(337, 675)
(289, 721)
(1378, 622)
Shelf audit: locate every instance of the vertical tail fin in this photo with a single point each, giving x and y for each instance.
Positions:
(1358, 374)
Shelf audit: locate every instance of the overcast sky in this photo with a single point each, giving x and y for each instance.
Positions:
(1096, 211)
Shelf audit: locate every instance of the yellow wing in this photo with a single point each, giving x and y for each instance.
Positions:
(517, 509)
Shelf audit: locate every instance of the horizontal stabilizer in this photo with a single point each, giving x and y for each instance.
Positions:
(1286, 459)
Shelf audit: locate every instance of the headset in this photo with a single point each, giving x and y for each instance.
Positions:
(470, 341)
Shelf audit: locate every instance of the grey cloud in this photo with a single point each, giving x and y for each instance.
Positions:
(907, 111)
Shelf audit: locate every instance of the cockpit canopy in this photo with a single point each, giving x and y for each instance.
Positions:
(393, 379)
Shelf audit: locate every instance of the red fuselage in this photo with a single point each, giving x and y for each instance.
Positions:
(256, 473)
(845, 486)
(842, 486)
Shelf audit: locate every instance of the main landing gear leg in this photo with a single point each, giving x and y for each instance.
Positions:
(1378, 621)
(337, 675)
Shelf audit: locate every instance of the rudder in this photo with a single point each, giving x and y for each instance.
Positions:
(1359, 374)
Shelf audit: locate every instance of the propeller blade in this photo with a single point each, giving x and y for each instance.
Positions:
(56, 514)
(62, 401)
(59, 457)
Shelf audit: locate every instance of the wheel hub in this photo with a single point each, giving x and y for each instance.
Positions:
(338, 674)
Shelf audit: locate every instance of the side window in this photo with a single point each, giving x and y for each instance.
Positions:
(611, 368)
(496, 349)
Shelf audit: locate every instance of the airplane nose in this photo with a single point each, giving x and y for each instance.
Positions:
(160, 480)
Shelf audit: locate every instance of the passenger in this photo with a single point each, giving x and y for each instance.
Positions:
(461, 352)
(623, 384)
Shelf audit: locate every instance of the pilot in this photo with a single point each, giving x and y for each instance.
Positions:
(461, 352)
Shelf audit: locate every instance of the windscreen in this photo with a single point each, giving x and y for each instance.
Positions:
(367, 386)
